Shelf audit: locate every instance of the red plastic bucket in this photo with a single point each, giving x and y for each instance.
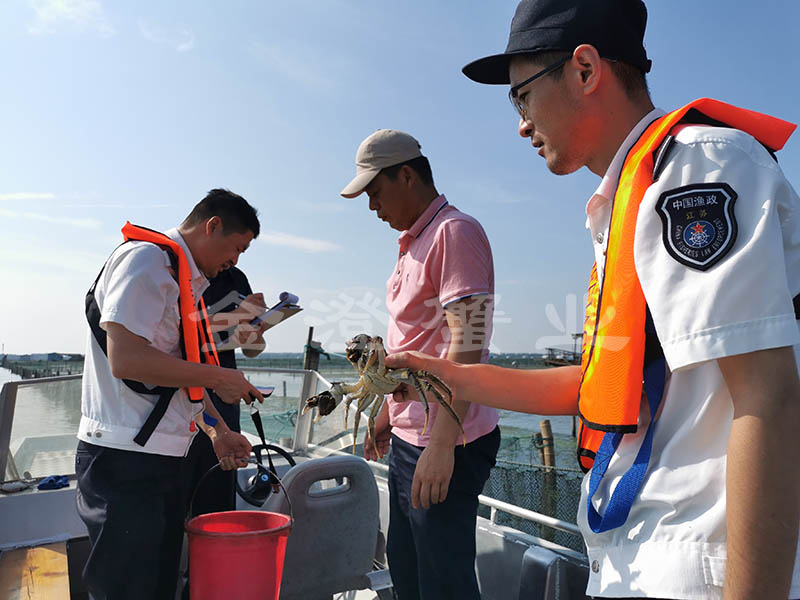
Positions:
(237, 554)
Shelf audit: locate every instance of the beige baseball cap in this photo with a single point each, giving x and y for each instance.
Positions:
(384, 148)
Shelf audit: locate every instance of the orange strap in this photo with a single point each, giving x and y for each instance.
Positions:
(186, 299)
(212, 356)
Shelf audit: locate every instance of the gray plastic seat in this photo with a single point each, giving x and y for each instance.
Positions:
(546, 575)
(332, 544)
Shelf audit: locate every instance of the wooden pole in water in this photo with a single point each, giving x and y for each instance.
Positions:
(548, 477)
(537, 441)
(547, 442)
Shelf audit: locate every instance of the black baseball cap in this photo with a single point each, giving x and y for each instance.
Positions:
(614, 27)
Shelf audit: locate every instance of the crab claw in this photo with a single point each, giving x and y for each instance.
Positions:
(325, 403)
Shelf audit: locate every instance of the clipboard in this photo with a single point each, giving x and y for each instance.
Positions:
(286, 307)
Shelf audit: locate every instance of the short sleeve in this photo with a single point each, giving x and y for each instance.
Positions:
(243, 285)
(460, 261)
(138, 288)
(741, 301)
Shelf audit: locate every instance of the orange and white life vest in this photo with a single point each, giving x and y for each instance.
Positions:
(613, 349)
(194, 329)
(192, 326)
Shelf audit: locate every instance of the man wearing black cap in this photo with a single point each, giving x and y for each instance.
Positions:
(691, 337)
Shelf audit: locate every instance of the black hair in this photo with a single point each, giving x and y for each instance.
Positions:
(420, 165)
(631, 78)
(236, 214)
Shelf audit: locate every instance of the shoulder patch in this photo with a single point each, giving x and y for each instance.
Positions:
(699, 227)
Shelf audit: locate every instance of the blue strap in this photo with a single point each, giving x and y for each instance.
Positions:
(209, 420)
(628, 487)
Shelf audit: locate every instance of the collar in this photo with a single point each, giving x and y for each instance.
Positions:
(425, 219)
(608, 186)
(198, 279)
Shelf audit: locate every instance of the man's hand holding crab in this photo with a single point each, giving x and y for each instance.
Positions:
(367, 355)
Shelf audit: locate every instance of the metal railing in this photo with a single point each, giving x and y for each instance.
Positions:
(312, 383)
(8, 403)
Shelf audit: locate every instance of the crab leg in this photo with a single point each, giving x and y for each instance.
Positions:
(347, 409)
(438, 382)
(349, 388)
(362, 404)
(371, 358)
(358, 392)
(440, 399)
(418, 386)
(376, 408)
(381, 366)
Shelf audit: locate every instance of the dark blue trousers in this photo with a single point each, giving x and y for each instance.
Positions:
(132, 507)
(431, 553)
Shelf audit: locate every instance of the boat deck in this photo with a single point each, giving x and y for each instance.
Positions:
(510, 563)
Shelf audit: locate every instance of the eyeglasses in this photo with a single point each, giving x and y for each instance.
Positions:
(518, 105)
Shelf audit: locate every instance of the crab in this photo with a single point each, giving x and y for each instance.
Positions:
(367, 354)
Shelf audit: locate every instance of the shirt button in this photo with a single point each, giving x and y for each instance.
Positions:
(599, 237)
(595, 566)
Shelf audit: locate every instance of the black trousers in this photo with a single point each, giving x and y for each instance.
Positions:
(132, 507)
(431, 553)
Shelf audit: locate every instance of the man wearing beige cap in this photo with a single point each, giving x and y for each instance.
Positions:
(439, 298)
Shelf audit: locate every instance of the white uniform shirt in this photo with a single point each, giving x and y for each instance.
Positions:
(673, 544)
(137, 291)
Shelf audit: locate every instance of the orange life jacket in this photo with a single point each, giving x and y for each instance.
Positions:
(191, 322)
(612, 353)
(194, 329)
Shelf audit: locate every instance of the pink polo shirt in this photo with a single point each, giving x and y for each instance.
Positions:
(445, 256)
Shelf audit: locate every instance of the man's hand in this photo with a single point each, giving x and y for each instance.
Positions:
(235, 387)
(404, 393)
(432, 475)
(248, 333)
(253, 306)
(232, 449)
(250, 338)
(415, 361)
(248, 309)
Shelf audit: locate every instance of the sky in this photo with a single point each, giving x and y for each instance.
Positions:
(116, 111)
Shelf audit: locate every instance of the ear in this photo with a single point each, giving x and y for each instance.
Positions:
(408, 175)
(213, 225)
(588, 67)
